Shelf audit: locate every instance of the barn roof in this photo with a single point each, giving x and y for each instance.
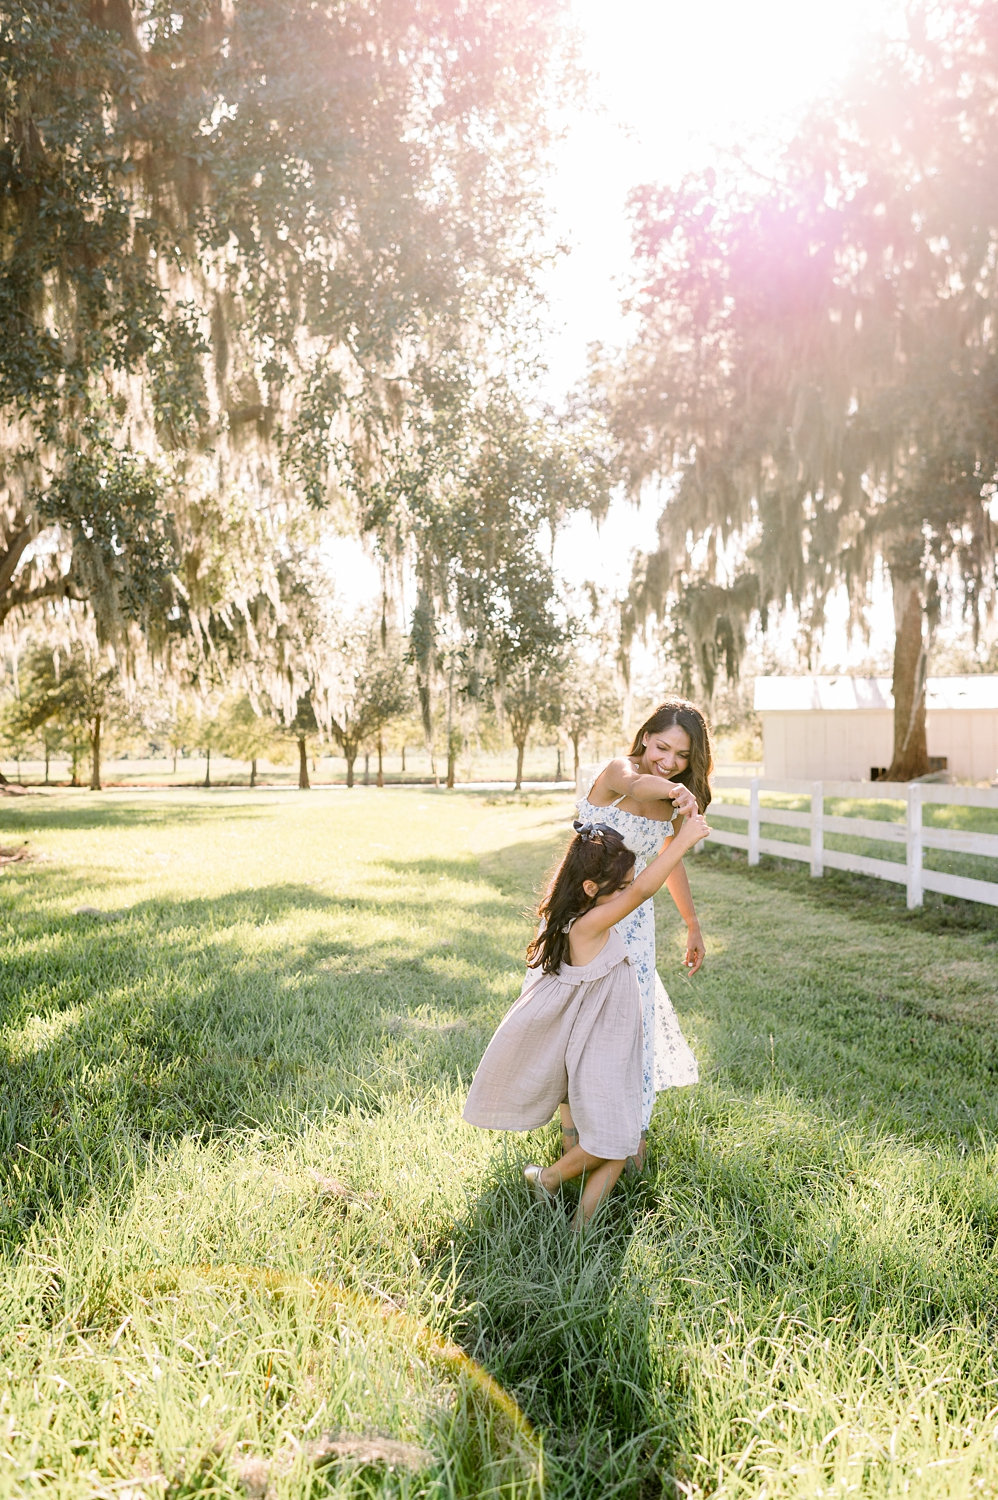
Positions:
(792, 694)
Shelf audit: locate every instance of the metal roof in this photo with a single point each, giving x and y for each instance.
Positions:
(831, 694)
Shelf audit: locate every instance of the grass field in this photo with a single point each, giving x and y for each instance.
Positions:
(250, 1247)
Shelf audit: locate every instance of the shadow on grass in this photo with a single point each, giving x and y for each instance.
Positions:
(205, 1015)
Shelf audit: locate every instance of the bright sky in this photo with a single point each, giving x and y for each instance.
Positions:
(676, 83)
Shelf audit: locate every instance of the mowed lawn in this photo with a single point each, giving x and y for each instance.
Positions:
(249, 1245)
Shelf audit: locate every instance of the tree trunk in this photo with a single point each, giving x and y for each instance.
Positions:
(349, 758)
(304, 784)
(575, 755)
(253, 772)
(381, 762)
(911, 756)
(451, 754)
(521, 745)
(95, 755)
(557, 773)
(207, 768)
(174, 760)
(367, 768)
(403, 760)
(425, 714)
(47, 757)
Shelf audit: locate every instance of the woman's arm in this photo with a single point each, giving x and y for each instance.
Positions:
(678, 886)
(620, 778)
(590, 927)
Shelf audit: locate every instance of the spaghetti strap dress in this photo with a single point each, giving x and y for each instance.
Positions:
(667, 1061)
(572, 1037)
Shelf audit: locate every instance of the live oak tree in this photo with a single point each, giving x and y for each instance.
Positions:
(236, 241)
(815, 379)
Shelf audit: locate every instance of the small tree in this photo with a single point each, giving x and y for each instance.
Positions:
(13, 735)
(28, 716)
(528, 644)
(531, 693)
(74, 692)
(372, 687)
(299, 726)
(247, 734)
(93, 698)
(591, 705)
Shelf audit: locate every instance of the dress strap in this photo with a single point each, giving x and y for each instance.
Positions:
(617, 800)
(593, 776)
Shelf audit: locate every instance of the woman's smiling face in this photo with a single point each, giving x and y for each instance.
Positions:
(666, 752)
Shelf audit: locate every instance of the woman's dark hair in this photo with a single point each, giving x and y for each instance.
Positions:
(687, 716)
(598, 853)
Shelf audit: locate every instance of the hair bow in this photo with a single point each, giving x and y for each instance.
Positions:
(591, 832)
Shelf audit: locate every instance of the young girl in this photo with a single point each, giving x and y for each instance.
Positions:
(574, 1035)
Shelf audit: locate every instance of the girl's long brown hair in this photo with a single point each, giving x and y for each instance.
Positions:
(597, 853)
(687, 716)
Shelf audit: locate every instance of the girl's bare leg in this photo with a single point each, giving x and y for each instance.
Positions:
(599, 1185)
(569, 1134)
(571, 1165)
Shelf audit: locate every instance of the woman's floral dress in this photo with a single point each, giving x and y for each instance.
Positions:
(667, 1061)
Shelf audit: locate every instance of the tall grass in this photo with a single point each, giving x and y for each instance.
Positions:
(247, 1236)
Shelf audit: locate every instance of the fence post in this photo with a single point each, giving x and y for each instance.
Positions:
(913, 845)
(817, 829)
(753, 823)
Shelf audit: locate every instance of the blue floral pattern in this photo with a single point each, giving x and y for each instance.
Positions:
(667, 1061)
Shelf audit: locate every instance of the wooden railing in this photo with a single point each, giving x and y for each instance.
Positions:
(912, 833)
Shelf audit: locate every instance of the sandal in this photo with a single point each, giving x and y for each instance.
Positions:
(532, 1177)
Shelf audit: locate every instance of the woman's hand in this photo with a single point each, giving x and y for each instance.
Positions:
(683, 801)
(695, 951)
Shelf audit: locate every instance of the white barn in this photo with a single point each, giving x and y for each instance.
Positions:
(842, 728)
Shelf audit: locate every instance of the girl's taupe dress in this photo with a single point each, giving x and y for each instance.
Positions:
(573, 1036)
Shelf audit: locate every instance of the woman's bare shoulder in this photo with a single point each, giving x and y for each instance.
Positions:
(611, 781)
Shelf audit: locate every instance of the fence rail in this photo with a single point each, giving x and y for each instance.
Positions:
(912, 833)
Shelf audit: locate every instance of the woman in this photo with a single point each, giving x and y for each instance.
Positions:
(663, 780)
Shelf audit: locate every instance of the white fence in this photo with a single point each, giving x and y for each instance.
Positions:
(913, 833)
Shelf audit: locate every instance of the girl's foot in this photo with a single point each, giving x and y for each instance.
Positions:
(539, 1193)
